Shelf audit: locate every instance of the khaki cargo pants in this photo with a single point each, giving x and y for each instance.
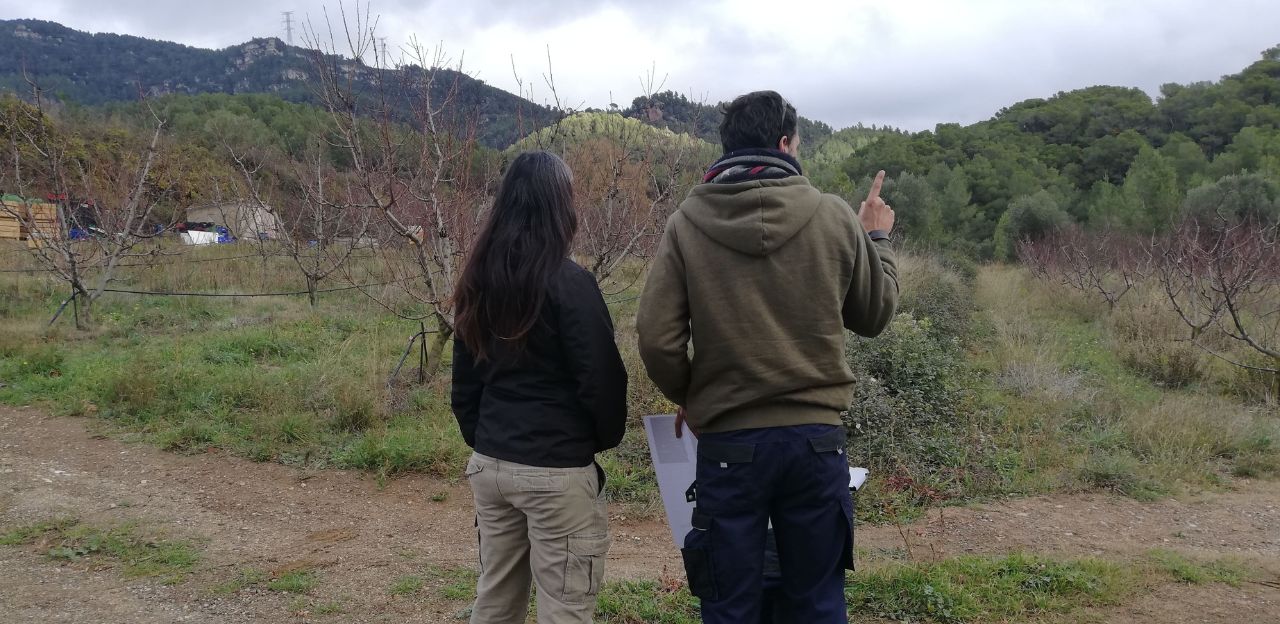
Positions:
(545, 525)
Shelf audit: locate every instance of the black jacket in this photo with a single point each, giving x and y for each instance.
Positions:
(563, 399)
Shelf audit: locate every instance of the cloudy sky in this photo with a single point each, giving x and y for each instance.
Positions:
(907, 63)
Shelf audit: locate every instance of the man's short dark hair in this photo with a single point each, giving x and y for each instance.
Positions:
(757, 119)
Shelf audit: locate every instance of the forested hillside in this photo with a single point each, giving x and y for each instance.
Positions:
(1104, 156)
(91, 69)
(94, 69)
(819, 143)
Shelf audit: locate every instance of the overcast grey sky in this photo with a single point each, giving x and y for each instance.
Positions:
(907, 63)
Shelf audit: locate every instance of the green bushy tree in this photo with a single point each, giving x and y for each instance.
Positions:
(1152, 184)
(1236, 197)
(1029, 217)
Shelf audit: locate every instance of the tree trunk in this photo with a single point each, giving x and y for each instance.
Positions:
(436, 356)
(1275, 382)
(82, 309)
(311, 291)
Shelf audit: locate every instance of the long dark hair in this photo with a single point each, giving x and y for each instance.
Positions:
(522, 244)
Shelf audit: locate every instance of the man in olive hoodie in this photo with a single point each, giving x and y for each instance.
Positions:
(761, 274)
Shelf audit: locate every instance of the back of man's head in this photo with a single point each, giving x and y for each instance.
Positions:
(759, 119)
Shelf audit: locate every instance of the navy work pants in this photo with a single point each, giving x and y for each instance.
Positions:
(799, 477)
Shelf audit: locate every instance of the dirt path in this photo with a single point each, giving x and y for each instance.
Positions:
(362, 538)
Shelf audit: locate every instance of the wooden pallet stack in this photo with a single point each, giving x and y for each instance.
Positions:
(43, 223)
(39, 221)
(10, 229)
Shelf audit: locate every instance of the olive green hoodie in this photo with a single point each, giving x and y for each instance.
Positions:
(763, 277)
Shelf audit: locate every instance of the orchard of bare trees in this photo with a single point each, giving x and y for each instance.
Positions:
(1219, 273)
(379, 189)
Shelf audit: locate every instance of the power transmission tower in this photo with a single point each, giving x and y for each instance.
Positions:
(384, 51)
(288, 26)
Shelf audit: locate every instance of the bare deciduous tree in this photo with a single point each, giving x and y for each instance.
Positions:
(409, 136)
(1226, 275)
(1103, 263)
(624, 190)
(628, 178)
(314, 216)
(105, 191)
(411, 146)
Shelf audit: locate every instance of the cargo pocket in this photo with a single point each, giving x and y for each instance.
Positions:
(473, 467)
(829, 451)
(584, 566)
(696, 553)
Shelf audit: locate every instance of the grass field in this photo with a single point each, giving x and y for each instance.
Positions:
(1018, 387)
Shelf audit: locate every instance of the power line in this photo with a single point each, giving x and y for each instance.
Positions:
(270, 294)
(150, 265)
(156, 265)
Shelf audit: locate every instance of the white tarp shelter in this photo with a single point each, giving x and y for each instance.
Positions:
(242, 219)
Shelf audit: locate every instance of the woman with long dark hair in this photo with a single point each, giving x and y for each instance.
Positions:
(538, 390)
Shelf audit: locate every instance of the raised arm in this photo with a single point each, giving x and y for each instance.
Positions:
(872, 298)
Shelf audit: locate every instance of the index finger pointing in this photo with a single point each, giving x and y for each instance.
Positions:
(875, 186)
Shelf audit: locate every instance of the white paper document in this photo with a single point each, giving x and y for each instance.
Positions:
(857, 476)
(675, 462)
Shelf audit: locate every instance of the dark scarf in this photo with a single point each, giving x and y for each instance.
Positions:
(752, 164)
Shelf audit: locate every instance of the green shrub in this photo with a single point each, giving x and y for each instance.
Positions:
(1028, 217)
(906, 397)
(1251, 195)
(929, 291)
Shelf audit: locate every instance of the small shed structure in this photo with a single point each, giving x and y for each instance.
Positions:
(243, 219)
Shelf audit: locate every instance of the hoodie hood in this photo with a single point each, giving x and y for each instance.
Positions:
(756, 217)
